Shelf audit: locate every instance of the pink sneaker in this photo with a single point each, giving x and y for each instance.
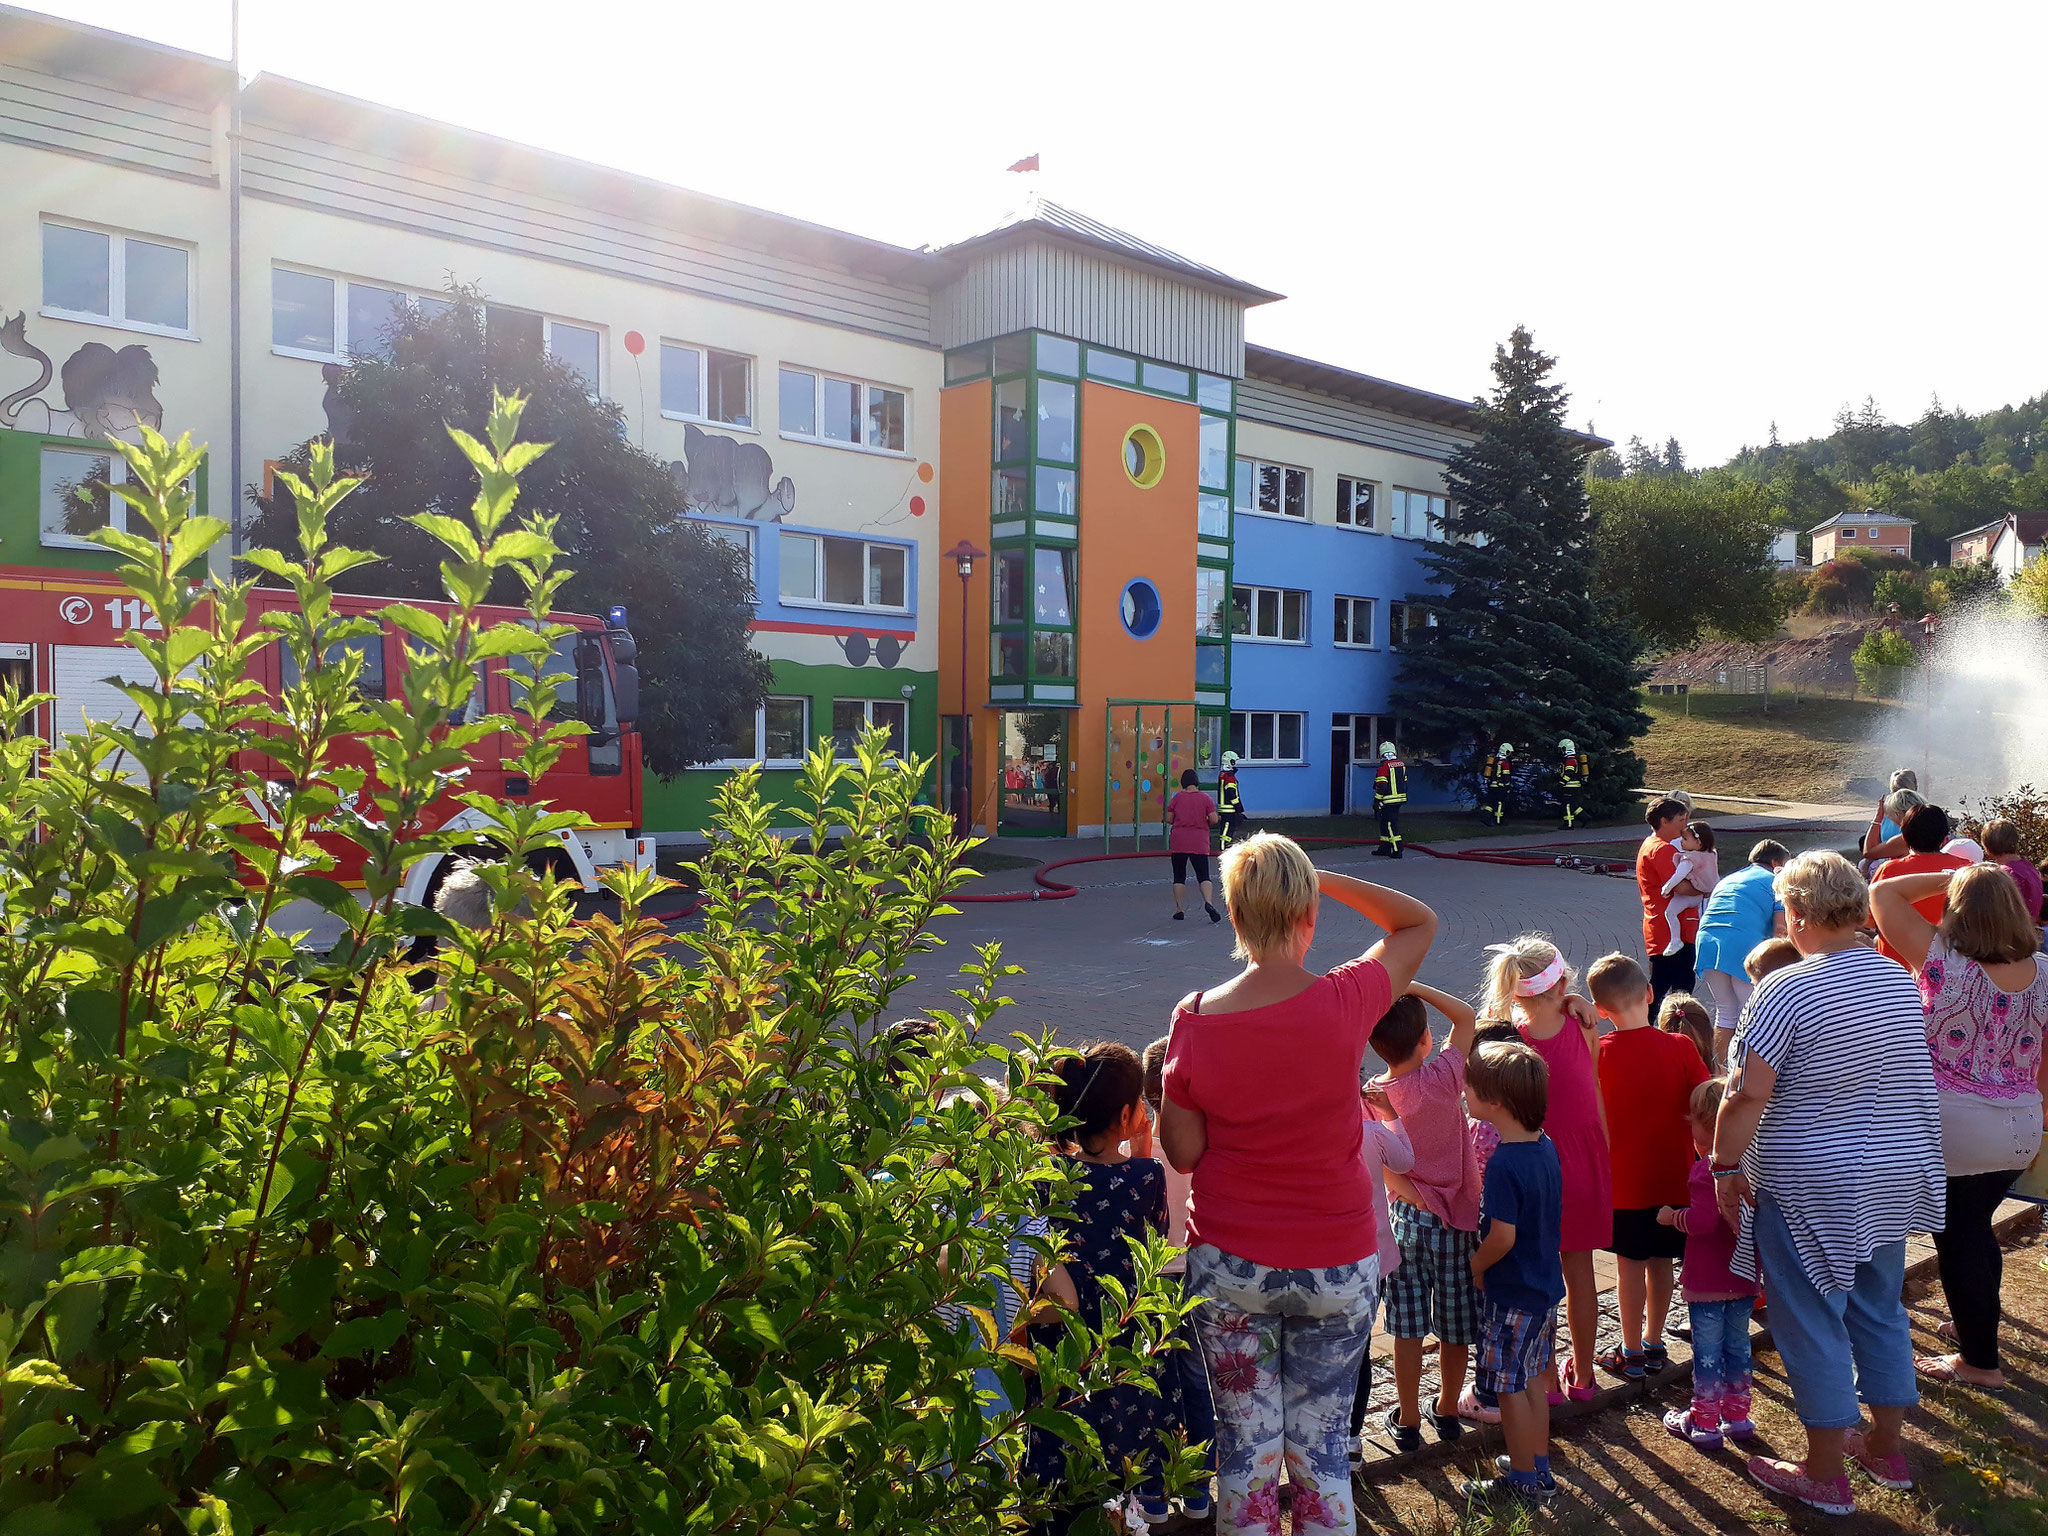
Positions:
(1469, 1407)
(1789, 1478)
(1888, 1470)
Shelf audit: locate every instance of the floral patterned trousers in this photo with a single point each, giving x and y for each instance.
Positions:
(1283, 1347)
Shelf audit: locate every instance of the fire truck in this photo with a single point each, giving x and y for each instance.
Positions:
(64, 633)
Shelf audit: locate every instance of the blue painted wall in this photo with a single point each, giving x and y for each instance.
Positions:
(1319, 679)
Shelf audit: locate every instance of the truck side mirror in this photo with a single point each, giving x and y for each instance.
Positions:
(626, 693)
(625, 649)
(590, 682)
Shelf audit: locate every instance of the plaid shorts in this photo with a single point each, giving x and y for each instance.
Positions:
(1514, 1349)
(1432, 1290)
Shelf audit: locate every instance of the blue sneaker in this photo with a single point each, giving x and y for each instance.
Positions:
(1155, 1509)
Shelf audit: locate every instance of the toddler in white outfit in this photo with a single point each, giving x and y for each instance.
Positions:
(1698, 865)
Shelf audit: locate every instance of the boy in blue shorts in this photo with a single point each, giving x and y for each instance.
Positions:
(1517, 1267)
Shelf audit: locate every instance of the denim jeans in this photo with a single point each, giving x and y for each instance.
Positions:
(1839, 1344)
(1282, 1346)
(1720, 1360)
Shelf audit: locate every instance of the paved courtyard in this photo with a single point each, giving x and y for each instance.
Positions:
(1111, 962)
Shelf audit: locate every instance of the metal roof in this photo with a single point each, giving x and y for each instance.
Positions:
(1043, 217)
(1383, 394)
(1864, 517)
(76, 51)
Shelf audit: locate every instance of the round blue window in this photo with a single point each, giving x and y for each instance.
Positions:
(1140, 609)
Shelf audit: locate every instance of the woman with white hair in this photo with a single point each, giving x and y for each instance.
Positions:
(1827, 1153)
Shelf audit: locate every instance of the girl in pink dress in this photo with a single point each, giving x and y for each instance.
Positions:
(1529, 981)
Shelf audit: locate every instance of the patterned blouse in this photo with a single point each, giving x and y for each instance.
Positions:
(1984, 1041)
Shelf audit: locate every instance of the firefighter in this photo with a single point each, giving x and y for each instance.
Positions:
(1496, 779)
(1389, 794)
(1571, 782)
(1230, 803)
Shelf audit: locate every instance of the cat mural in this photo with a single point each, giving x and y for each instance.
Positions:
(723, 477)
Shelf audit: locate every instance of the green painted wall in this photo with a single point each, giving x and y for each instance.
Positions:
(21, 483)
(683, 804)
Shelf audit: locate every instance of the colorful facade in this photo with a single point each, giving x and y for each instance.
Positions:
(1185, 545)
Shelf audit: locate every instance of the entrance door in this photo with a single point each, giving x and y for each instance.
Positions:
(952, 768)
(1340, 766)
(1033, 799)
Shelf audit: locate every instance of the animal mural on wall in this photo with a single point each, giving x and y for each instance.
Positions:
(723, 477)
(106, 393)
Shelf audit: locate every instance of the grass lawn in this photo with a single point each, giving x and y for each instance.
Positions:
(1803, 751)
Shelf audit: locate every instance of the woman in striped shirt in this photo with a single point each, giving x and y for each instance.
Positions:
(1827, 1154)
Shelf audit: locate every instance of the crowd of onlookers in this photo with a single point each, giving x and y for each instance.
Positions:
(1866, 1063)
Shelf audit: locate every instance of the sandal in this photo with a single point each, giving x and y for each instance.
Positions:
(1656, 1359)
(1628, 1364)
(1574, 1389)
(1942, 1368)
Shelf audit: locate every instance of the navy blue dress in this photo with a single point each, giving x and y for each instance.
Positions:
(1116, 1201)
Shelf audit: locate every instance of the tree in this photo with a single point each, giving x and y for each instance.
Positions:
(1881, 661)
(1522, 650)
(1840, 586)
(1960, 586)
(2030, 586)
(1674, 457)
(1678, 556)
(1642, 459)
(620, 517)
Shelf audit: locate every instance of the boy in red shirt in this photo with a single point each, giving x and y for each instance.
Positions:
(1925, 829)
(1646, 1083)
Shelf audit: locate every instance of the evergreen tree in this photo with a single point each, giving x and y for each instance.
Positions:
(1521, 650)
(1674, 457)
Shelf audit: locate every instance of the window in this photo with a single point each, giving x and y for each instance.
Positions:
(1367, 732)
(778, 732)
(846, 573)
(1353, 622)
(1354, 502)
(741, 537)
(1419, 515)
(1266, 736)
(577, 345)
(1212, 603)
(1848, 533)
(1056, 420)
(844, 411)
(1214, 464)
(1407, 623)
(77, 498)
(705, 384)
(330, 319)
(369, 681)
(1269, 613)
(1013, 430)
(96, 274)
(1273, 489)
(1052, 653)
(1056, 354)
(852, 717)
(1052, 594)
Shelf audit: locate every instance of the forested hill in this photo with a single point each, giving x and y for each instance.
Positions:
(1949, 469)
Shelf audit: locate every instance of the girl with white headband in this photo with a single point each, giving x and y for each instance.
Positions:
(1529, 982)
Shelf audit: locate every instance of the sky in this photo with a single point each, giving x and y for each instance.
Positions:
(1714, 217)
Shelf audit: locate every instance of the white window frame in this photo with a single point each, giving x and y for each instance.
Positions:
(818, 376)
(1370, 643)
(117, 508)
(1347, 486)
(1365, 737)
(867, 714)
(1245, 757)
(1204, 576)
(1432, 532)
(547, 344)
(761, 736)
(818, 538)
(116, 317)
(1429, 621)
(341, 281)
(1251, 635)
(742, 536)
(704, 349)
(1251, 507)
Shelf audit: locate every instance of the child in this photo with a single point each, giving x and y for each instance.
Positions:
(1530, 978)
(1183, 1367)
(1386, 1148)
(1646, 1081)
(1435, 1212)
(1699, 867)
(1718, 1300)
(1683, 1014)
(1771, 955)
(1517, 1265)
(1119, 1196)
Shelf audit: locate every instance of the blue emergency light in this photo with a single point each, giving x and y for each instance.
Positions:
(615, 616)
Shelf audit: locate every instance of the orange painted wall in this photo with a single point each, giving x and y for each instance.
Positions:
(1128, 532)
(966, 412)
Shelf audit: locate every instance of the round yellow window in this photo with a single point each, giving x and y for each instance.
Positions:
(1144, 457)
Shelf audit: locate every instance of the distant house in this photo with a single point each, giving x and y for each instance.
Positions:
(1785, 547)
(1882, 533)
(2004, 545)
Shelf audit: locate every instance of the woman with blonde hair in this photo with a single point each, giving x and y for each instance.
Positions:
(1827, 1153)
(1528, 981)
(1984, 994)
(1260, 1104)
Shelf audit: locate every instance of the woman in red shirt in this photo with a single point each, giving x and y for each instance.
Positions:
(1189, 816)
(1261, 1105)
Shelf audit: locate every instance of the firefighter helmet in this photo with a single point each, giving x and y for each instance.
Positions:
(1230, 759)
(1507, 748)
(1387, 750)
(1568, 747)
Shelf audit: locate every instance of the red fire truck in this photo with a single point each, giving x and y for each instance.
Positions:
(64, 633)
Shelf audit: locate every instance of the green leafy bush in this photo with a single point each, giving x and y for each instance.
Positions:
(1974, 581)
(615, 1231)
(1903, 590)
(1881, 661)
(1839, 586)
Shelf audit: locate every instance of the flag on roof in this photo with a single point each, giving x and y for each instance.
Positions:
(1028, 163)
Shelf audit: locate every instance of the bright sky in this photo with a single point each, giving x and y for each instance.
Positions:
(1714, 216)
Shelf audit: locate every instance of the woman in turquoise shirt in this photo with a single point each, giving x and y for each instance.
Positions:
(1741, 912)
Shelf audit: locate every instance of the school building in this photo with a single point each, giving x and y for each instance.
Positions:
(1039, 474)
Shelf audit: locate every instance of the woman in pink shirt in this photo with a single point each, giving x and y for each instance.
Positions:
(1261, 1106)
(1189, 816)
